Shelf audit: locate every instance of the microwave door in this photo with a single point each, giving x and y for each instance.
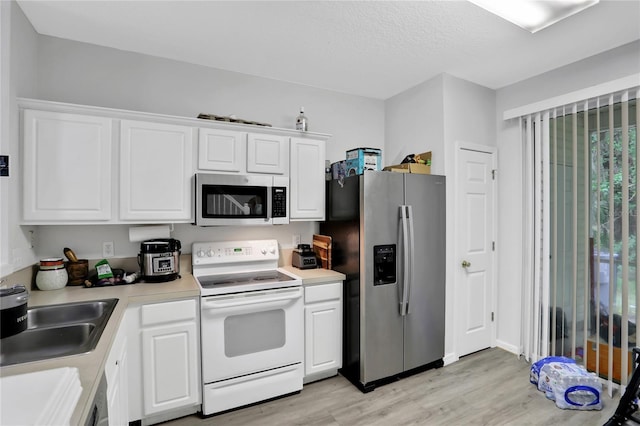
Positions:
(227, 203)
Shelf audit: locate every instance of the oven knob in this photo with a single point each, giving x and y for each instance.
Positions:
(272, 250)
(263, 251)
(209, 253)
(200, 253)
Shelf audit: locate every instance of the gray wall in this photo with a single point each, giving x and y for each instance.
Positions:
(19, 43)
(434, 116)
(66, 71)
(611, 65)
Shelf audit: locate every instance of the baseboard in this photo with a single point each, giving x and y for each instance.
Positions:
(450, 358)
(508, 347)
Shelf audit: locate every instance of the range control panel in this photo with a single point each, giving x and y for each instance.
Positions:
(234, 252)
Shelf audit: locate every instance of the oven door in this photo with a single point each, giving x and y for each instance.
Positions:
(233, 200)
(250, 332)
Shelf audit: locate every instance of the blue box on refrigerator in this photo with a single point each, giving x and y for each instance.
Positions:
(361, 159)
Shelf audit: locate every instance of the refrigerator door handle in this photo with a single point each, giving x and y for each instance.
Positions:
(411, 245)
(405, 260)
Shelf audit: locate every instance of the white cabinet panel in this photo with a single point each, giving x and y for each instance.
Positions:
(323, 331)
(117, 373)
(155, 171)
(170, 367)
(267, 154)
(307, 179)
(67, 167)
(222, 150)
(164, 367)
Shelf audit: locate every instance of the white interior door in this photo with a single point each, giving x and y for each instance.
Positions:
(475, 250)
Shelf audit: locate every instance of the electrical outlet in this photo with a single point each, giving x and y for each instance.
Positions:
(295, 240)
(108, 249)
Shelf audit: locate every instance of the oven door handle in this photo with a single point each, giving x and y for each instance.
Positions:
(270, 297)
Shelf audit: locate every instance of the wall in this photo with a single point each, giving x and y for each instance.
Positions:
(613, 64)
(19, 43)
(62, 70)
(434, 116)
(468, 119)
(413, 124)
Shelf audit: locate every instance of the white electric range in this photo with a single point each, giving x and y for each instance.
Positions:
(252, 324)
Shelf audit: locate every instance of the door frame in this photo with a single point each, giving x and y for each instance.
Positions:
(457, 272)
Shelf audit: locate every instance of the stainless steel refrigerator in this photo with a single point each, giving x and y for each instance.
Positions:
(388, 232)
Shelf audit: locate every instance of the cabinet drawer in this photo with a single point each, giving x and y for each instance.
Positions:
(320, 293)
(158, 313)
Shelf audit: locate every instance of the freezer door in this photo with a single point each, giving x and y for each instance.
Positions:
(424, 323)
(381, 344)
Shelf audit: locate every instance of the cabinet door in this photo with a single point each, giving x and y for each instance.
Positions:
(67, 167)
(267, 154)
(116, 371)
(170, 367)
(323, 337)
(222, 150)
(156, 167)
(307, 179)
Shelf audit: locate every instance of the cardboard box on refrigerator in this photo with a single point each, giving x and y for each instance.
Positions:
(424, 169)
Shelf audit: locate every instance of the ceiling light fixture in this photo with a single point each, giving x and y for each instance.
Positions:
(534, 15)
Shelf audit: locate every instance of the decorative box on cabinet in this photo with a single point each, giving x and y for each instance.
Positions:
(156, 167)
(67, 167)
(307, 185)
(323, 330)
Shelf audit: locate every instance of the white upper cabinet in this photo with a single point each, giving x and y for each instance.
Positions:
(241, 152)
(307, 184)
(267, 154)
(93, 165)
(156, 166)
(67, 167)
(222, 150)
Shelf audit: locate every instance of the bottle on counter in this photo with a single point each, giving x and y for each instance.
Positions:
(301, 121)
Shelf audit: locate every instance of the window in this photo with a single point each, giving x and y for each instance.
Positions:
(593, 230)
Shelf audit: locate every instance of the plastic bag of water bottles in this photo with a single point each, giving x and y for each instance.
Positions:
(571, 386)
(537, 366)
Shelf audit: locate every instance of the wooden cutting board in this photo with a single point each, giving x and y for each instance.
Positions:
(322, 248)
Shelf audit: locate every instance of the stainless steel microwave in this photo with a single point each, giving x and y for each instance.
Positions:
(224, 199)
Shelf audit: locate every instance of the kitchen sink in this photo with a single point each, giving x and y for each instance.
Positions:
(58, 330)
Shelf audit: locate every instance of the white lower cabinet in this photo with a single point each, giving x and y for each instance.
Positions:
(323, 330)
(165, 377)
(117, 373)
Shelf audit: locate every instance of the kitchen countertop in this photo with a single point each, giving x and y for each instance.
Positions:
(315, 276)
(91, 365)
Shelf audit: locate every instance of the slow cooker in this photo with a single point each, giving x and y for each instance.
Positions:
(13, 310)
(159, 259)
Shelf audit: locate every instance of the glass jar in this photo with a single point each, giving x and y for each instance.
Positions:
(52, 274)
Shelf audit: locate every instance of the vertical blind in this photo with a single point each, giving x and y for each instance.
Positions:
(579, 253)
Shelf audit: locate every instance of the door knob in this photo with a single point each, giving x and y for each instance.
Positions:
(465, 264)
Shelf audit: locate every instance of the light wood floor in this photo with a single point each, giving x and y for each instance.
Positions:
(490, 387)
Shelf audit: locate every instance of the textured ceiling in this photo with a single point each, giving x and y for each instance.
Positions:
(368, 48)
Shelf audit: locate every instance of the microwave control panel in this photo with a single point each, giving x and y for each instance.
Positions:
(279, 199)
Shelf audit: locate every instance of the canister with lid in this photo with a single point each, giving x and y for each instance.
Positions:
(52, 274)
